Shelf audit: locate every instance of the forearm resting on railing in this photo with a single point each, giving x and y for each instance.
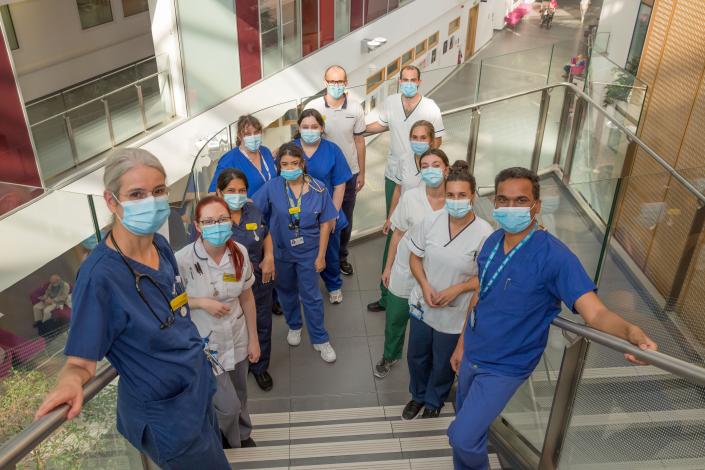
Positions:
(69, 388)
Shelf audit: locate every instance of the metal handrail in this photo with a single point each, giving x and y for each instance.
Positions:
(101, 97)
(22, 444)
(675, 366)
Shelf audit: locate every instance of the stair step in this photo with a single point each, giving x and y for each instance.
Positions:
(432, 463)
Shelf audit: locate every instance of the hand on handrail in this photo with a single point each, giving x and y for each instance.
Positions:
(638, 338)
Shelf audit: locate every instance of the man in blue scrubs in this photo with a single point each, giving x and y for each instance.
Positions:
(525, 273)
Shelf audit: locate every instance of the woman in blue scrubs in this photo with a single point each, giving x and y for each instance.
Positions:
(326, 162)
(129, 305)
(250, 230)
(301, 215)
(250, 156)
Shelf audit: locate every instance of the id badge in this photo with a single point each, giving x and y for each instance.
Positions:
(297, 241)
(178, 302)
(416, 311)
(229, 277)
(251, 226)
(294, 210)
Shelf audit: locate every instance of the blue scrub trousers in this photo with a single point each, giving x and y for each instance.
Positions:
(204, 452)
(428, 356)
(480, 398)
(331, 275)
(263, 303)
(299, 280)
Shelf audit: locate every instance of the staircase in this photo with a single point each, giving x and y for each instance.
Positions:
(351, 439)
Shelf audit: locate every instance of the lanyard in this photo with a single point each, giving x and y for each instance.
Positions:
(262, 164)
(295, 214)
(485, 288)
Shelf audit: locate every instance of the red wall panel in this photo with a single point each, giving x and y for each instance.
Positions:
(327, 22)
(355, 14)
(247, 12)
(309, 26)
(17, 162)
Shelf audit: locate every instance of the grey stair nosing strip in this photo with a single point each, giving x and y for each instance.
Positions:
(432, 463)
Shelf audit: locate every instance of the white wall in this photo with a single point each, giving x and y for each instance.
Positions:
(56, 53)
(618, 18)
(485, 19)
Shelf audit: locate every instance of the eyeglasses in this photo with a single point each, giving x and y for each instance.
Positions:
(521, 201)
(221, 220)
(336, 82)
(137, 194)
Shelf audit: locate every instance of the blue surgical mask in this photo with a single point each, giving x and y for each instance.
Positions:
(419, 148)
(458, 208)
(217, 234)
(252, 142)
(433, 177)
(310, 136)
(291, 175)
(409, 89)
(144, 216)
(235, 201)
(335, 91)
(512, 219)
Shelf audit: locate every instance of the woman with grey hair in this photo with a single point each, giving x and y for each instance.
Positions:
(130, 306)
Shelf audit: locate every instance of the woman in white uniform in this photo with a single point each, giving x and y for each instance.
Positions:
(444, 248)
(413, 206)
(422, 137)
(218, 278)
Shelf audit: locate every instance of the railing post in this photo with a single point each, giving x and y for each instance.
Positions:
(691, 243)
(472, 143)
(569, 377)
(109, 119)
(563, 126)
(72, 141)
(140, 98)
(573, 142)
(540, 130)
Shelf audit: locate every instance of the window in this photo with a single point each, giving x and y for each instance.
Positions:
(453, 26)
(133, 7)
(342, 17)
(407, 58)
(375, 9)
(309, 25)
(433, 39)
(394, 67)
(638, 38)
(291, 33)
(94, 12)
(269, 30)
(9, 27)
(355, 14)
(420, 48)
(374, 81)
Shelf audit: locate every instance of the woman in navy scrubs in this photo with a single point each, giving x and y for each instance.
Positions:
(129, 305)
(300, 215)
(250, 230)
(250, 156)
(326, 162)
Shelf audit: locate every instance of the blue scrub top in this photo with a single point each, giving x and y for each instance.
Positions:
(316, 208)
(328, 165)
(236, 159)
(251, 232)
(513, 318)
(165, 382)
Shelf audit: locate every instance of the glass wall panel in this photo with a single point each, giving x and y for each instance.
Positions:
(9, 27)
(309, 26)
(327, 20)
(210, 65)
(638, 38)
(355, 14)
(342, 17)
(269, 25)
(374, 9)
(133, 7)
(94, 12)
(291, 30)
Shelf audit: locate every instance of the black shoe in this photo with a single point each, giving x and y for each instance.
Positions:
(264, 381)
(428, 413)
(411, 410)
(346, 268)
(383, 367)
(277, 309)
(375, 307)
(249, 442)
(36, 324)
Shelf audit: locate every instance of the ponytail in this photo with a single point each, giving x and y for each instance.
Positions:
(460, 171)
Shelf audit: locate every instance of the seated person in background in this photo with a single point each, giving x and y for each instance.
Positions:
(56, 296)
(575, 67)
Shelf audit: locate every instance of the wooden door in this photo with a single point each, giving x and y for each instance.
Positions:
(472, 28)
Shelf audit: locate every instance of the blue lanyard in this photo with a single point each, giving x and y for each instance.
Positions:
(485, 288)
(262, 164)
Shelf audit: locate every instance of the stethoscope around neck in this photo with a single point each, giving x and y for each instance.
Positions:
(138, 277)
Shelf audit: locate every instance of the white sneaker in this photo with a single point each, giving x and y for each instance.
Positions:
(326, 350)
(294, 337)
(336, 297)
